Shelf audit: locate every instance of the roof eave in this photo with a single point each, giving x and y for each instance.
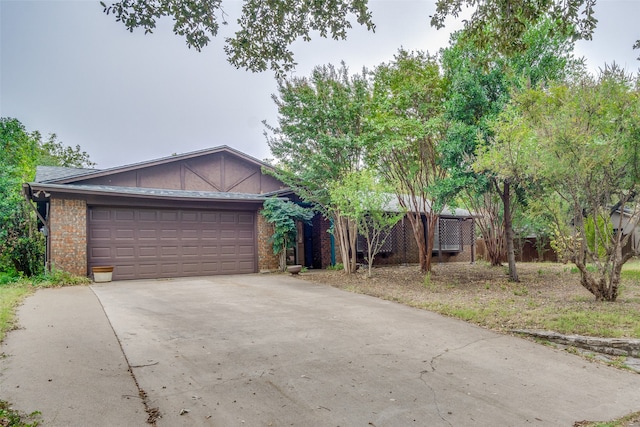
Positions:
(42, 192)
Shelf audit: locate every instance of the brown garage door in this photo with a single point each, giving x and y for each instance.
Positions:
(150, 243)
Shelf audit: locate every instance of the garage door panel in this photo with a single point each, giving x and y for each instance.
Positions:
(246, 219)
(210, 267)
(210, 217)
(228, 234)
(228, 266)
(245, 266)
(148, 215)
(146, 268)
(100, 253)
(125, 215)
(228, 250)
(125, 234)
(170, 268)
(101, 215)
(147, 234)
(187, 217)
(189, 268)
(190, 251)
(245, 250)
(125, 252)
(210, 235)
(147, 251)
(151, 243)
(169, 251)
(245, 235)
(209, 251)
(166, 215)
(190, 234)
(126, 270)
(170, 233)
(100, 233)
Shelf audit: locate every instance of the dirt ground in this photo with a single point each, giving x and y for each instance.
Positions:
(548, 296)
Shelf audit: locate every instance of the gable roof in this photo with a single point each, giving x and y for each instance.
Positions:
(56, 179)
(49, 175)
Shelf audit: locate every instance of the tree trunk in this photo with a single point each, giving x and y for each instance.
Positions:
(347, 238)
(491, 225)
(505, 195)
(494, 250)
(604, 283)
(415, 219)
(353, 244)
(432, 221)
(283, 260)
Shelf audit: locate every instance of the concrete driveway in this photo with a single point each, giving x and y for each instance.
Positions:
(271, 350)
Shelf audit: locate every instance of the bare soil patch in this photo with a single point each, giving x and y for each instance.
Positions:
(549, 296)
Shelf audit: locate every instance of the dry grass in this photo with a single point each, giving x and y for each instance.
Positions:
(549, 296)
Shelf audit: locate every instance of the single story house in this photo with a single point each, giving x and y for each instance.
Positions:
(192, 214)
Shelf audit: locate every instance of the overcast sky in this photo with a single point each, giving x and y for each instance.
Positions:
(67, 68)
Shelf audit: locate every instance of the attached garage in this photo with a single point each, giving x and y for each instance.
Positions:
(194, 214)
(149, 242)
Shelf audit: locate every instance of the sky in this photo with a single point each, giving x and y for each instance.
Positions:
(69, 69)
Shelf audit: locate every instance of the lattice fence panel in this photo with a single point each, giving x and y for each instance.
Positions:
(392, 243)
(450, 232)
(468, 231)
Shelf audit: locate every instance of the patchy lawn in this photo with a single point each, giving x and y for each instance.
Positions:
(549, 296)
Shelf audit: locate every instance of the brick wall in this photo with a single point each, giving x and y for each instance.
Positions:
(322, 242)
(267, 261)
(68, 235)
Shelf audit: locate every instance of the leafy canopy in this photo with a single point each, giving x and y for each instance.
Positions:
(267, 29)
(319, 137)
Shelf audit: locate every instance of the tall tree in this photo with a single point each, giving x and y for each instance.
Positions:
(406, 131)
(582, 139)
(319, 140)
(481, 83)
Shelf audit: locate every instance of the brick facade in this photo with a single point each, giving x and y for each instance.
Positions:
(267, 261)
(322, 242)
(68, 235)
